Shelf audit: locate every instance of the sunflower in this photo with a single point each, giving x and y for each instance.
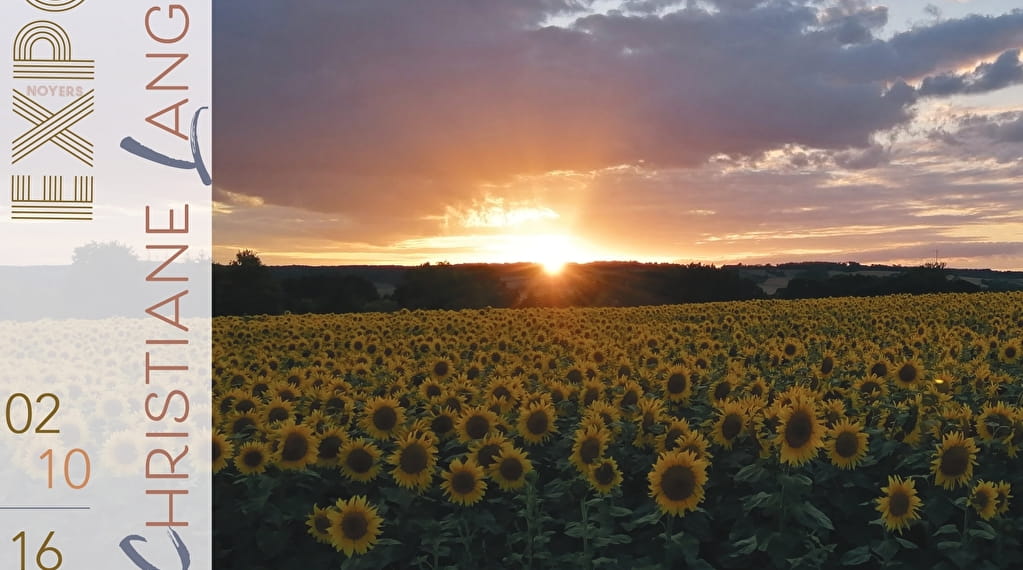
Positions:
(677, 386)
(536, 423)
(296, 445)
(1010, 352)
(504, 392)
(589, 444)
(604, 475)
(591, 391)
(907, 423)
(381, 417)
(879, 368)
(909, 373)
(847, 444)
(441, 368)
(318, 524)
(277, 410)
(984, 499)
(328, 449)
(870, 388)
(355, 525)
(223, 451)
(442, 424)
(954, 459)
(1014, 441)
(510, 468)
(631, 393)
(463, 482)
(650, 413)
(899, 505)
(674, 432)
(484, 451)
(359, 460)
(413, 461)
(995, 422)
(799, 433)
(252, 458)
(476, 423)
(695, 443)
(677, 480)
(721, 389)
(1004, 491)
(827, 365)
(431, 390)
(241, 401)
(244, 424)
(731, 423)
(758, 388)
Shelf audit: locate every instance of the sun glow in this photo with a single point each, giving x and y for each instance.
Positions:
(551, 251)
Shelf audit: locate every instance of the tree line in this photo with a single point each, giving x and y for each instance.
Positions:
(246, 286)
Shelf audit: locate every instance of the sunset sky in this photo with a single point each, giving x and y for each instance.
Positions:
(721, 131)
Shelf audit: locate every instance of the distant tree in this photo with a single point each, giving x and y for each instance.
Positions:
(107, 254)
(105, 280)
(245, 287)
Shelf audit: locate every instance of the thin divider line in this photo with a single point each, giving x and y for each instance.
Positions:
(45, 508)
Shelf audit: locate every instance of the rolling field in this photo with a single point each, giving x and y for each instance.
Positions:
(802, 434)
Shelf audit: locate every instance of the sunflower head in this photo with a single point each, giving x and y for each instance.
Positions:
(252, 458)
(604, 475)
(223, 451)
(355, 526)
(464, 483)
(536, 422)
(799, 432)
(359, 460)
(509, 468)
(382, 416)
(414, 460)
(899, 505)
(954, 460)
(318, 524)
(847, 444)
(984, 499)
(677, 480)
(590, 444)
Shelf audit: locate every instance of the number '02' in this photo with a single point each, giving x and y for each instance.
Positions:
(19, 400)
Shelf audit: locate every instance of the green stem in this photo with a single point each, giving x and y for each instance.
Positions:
(587, 552)
(966, 525)
(669, 533)
(465, 532)
(530, 522)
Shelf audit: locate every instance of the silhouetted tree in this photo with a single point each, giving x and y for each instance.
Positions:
(245, 287)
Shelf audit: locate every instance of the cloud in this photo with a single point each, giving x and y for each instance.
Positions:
(1002, 72)
(661, 127)
(379, 107)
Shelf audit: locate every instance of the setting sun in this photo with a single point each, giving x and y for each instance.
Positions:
(553, 266)
(551, 251)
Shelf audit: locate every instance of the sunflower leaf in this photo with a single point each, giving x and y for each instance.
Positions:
(750, 473)
(746, 545)
(981, 533)
(886, 549)
(946, 529)
(856, 556)
(815, 515)
(909, 545)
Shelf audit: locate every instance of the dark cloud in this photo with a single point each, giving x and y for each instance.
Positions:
(1002, 72)
(870, 157)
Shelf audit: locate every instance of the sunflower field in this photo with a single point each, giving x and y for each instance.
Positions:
(875, 432)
